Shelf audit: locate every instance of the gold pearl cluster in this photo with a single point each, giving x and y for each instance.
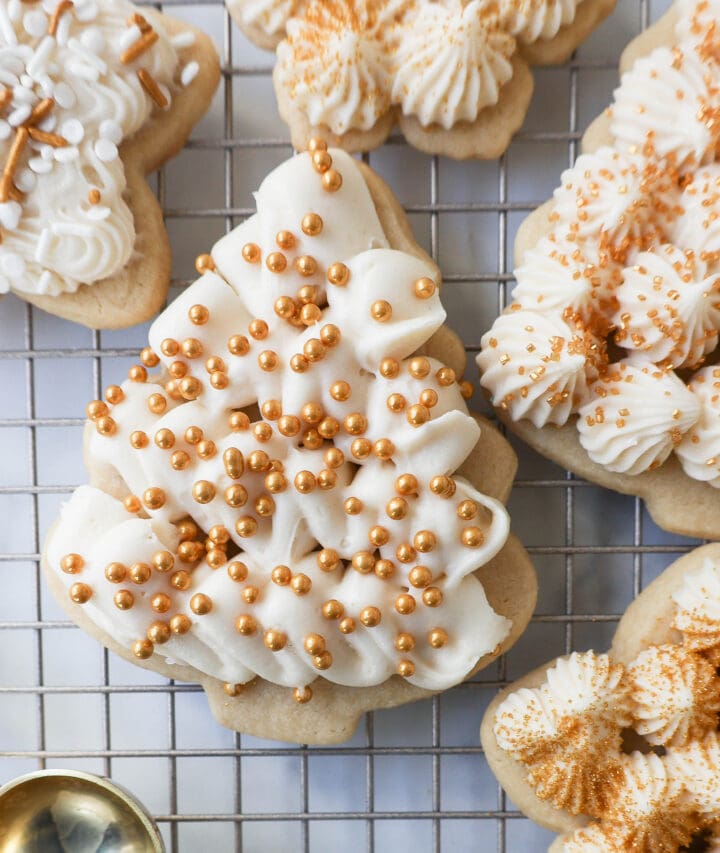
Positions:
(192, 366)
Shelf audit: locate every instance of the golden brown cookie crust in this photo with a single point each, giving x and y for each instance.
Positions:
(268, 710)
(138, 291)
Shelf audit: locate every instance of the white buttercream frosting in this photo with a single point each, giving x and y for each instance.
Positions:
(699, 450)
(64, 217)
(370, 522)
(531, 20)
(271, 16)
(696, 769)
(698, 607)
(451, 62)
(636, 414)
(698, 226)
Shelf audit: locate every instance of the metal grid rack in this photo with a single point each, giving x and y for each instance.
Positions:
(411, 778)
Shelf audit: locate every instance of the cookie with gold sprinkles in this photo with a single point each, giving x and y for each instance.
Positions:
(289, 500)
(606, 360)
(620, 752)
(94, 95)
(454, 75)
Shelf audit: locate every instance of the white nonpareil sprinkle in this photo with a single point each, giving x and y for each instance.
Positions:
(19, 115)
(7, 78)
(110, 129)
(5, 129)
(65, 96)
(23, 95)
(43, 245)
(15, 10)
(189, 73)
(82, 69)
(130, 36)
(25, 180)
(35, 23)
(37, 66)
(106, 150)
(7, 31)
(12, 264)
(86, 11)
(10, 213)
(93, 40)
(181, 40)
(46, 279)
(66, 155)
(40, 166)
(85, 55)
(72, 130)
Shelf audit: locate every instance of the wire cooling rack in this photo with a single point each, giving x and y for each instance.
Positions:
(412, 778)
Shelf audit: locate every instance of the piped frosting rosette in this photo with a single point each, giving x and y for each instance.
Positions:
(76, 80)
(633, 746)
(629, 256)
(280, 501)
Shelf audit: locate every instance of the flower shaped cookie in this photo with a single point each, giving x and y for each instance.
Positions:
(621, 752)
(93, 95)
(454, 74)
(279, 510)
(606, 359)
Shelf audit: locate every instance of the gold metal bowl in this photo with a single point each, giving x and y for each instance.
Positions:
(66, 811)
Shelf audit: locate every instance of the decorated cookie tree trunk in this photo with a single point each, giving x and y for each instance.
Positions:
(279, 502)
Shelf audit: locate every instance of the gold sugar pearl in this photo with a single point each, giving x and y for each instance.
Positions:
(472, 537)
(419, 367)
(353, 506)
(180, 624)
(190, 388)
(233, 690)
(234, 463)
(334, 457)
(96, 409)
(466, 389)
(312, 439)
(201, 604)
(262, 431)
(237, 571)
(140, 573)
(169, 347)
(246, 526)
(404, 642)
(384, 569)
(178, 369)
(378, 536)
(338, 274)
(404, 604)
(467, 510)
(281, 575)
(321, 161)
(203, 491)
(72, 564)
(179, 460)
(276, 262)
(285, 240)
(204, 263)
(396, 403)
(124, 599)
(405, 552)
(238, 345)
(246, 625)
(285, 307)
(172, 390)
(190, 552)
(114, 394)
(298, 363)
(271, 409)
(384, 449)
(258, 461)
(275, 640)
(326, 479)
(312, 413)
(331, 180)
(424, 541)
(328, 560)
(215, 363)
(396, 508)
(432, 597)
(105, 426)
(199, 315)
(306, 265)
(191, 348)
(330, 335)
(389, 368)
(420, 577)
(314, 350)
(437, 638)
(363, 562)
(219, 380)
(238, 421)
(301, 584)
(289, 425)
(323, 661)
(312, 224)
(159, 633)
(316, 143)
(361, 448)
(156, 403)
(370, 617)
(333, 609)
(215, 558)
(160, 602)
(268, 360)
(428, 398)
(165, 439)
(442, 486)
(445, 376)
(163, 561)
(132, 503)
(340, 391)
(137, 373)
(276, 482)
(302, 695)
(328, 427)
(406, 484)
(381, 311)
(406, 668)
(355, 424)
(115, 572)
(424, 288)
(180, 580)
(143, 649)
(251, 253)
(346, 625)
(80, 593)
(305, 482)
(139, 439)
(308, 293)
(250, 594)
(153, 498)
(264, 506)
(258, 329)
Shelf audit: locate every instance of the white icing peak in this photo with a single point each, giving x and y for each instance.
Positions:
(76, 80)
(531, 20)
(356, 544)
(633, 257)
(698, 607)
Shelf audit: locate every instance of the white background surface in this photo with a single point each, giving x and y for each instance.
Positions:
(66, 703)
